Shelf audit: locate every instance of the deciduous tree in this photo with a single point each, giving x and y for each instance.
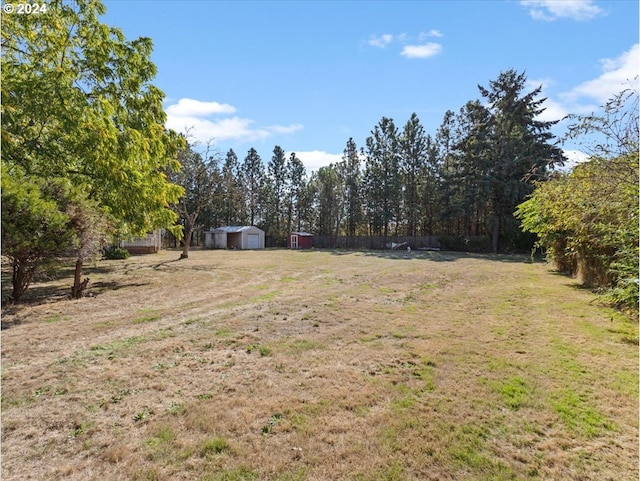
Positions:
(200, 179)
(587, 220)
(78, 104)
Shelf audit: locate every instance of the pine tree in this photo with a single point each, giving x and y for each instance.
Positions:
(471, 168)
(295, 187)
(383, 181)
(352, 183)
(253, 179)
(275, 189)
(233, 202)
(520, 149)
(413, 167)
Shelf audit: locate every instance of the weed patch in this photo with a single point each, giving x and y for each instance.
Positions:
(214, 446)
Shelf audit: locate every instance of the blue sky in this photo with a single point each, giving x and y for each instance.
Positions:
(308, 75)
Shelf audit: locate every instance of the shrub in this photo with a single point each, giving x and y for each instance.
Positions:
(115, 252)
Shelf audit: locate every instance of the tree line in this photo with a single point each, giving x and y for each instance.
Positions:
(464, 180)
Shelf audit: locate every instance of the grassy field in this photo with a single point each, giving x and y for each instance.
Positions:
(319, 365)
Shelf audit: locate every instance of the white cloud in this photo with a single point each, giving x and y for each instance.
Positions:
(285, 129)
(550, 10)
(431, 33)
(618, 73)
(552, 111)
(190, 107)
(315, 159)
(574, 157)
(381, 41)
(421, 51)
(418, 49)
(205, 121)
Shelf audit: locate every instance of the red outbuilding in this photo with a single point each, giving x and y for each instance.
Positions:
(300, 240)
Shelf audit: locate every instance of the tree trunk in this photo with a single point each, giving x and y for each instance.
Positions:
(77, 291)
(495, 234)
(187, 243)
(21, 278)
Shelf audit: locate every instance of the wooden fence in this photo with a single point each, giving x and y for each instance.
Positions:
(374, 242)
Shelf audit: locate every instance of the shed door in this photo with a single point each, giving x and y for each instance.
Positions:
(294, 241)
(253, 241)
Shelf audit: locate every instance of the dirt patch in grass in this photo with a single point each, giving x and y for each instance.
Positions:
(319, 365)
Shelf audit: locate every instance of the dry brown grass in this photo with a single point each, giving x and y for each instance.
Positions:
(319, 365)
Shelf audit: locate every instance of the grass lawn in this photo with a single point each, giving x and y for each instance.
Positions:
(319, 365)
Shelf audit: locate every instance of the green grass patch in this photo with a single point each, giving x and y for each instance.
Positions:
(514, 392)
(425, 373)
(146, 315)
(299, 346)
(164, 435)
(214, 446)
(371, 337)
(223, 332)
(119, 345)
(578, 415)
(260, 348)
(234, 474)
(407, 400)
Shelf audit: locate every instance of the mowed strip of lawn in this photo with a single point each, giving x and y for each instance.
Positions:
(319, 365)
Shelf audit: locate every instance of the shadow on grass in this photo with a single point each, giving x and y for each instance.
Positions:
(45, 294)
(98, 288)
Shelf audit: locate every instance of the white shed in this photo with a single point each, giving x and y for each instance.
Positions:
(235, 237)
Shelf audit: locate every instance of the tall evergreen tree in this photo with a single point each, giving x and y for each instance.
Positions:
(445, 148)
(275, 189)
(429, 190)
(520, 148)
(295, 187)
(413, 166)
(253, 175)
(329, 201)
(352, 186)
(383, 178)
(471, 168)
(233, 202)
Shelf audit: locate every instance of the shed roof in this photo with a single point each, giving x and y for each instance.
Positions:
(303, 234)
(230, 229)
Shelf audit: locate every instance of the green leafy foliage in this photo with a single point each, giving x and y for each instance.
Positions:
(78, 105)
(34, 228)
(588, 223)
(588, 220)
(114, 252)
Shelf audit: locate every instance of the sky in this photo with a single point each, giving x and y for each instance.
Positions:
(307, 75)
